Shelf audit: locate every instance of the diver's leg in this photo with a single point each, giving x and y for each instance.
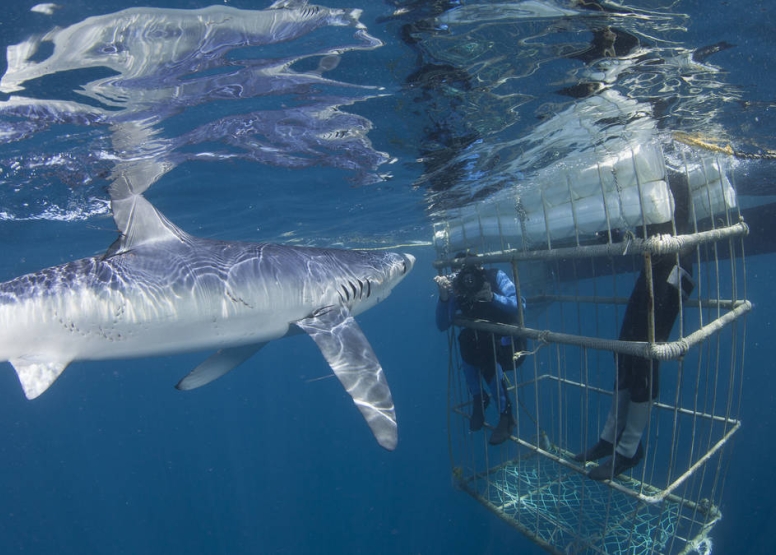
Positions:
(497, 387)
(613, 427)
(670, 281)
(480, 399)
(629, 451)
(506, 420)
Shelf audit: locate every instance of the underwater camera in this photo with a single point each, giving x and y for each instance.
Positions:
(469, 281)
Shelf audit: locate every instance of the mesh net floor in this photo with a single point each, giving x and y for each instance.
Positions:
(565, 512)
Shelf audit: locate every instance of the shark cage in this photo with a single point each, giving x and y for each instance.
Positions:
(627, 258)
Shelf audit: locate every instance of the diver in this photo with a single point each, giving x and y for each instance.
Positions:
(637, 382)
(488, 295)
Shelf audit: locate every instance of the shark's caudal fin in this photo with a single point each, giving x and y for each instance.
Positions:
(36, 377)
(349, 354)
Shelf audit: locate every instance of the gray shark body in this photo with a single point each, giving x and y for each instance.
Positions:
(160, 291)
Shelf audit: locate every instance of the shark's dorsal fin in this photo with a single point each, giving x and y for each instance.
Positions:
(288, 5)
(140, 223)
(137, 220)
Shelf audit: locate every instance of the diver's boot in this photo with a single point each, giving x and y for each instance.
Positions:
(601, 449)
(616, 465)
(506, 422)
(629, 451)
(479, 404)
(615, 423)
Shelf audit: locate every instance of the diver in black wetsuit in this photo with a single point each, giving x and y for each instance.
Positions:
(637, 383)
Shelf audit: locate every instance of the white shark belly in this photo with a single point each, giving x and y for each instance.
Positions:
(90, 324)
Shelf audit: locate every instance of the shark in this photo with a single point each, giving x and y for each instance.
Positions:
(158, 290)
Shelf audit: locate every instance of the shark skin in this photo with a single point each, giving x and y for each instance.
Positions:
(160, 291)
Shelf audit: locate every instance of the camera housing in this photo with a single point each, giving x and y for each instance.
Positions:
(469, 281)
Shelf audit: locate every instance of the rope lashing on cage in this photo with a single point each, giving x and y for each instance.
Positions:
(661, 351)
(541, 342)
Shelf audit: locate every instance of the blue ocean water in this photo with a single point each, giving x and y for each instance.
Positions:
(273, 458)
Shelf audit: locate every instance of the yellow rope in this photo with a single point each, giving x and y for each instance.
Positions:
(695, 140)
(713, 146)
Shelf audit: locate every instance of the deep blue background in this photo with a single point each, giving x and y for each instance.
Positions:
(113, 459)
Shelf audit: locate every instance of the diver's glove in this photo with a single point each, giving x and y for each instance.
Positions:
(484, 295)
(445, 285)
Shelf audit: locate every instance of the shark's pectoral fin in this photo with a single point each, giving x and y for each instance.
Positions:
(36, 377)
(217, 365)
(349, 354)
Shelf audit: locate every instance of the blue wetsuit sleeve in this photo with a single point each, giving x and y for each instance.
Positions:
(445, 312)
(505, 298)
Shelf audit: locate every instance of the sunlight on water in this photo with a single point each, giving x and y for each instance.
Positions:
(523, 87)
(141, 91)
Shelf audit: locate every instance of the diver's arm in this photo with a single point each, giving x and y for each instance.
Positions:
(445, 310)
(505, 296)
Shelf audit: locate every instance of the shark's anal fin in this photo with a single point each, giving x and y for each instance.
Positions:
(349, 354)
(36, 377)
(218, 364)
